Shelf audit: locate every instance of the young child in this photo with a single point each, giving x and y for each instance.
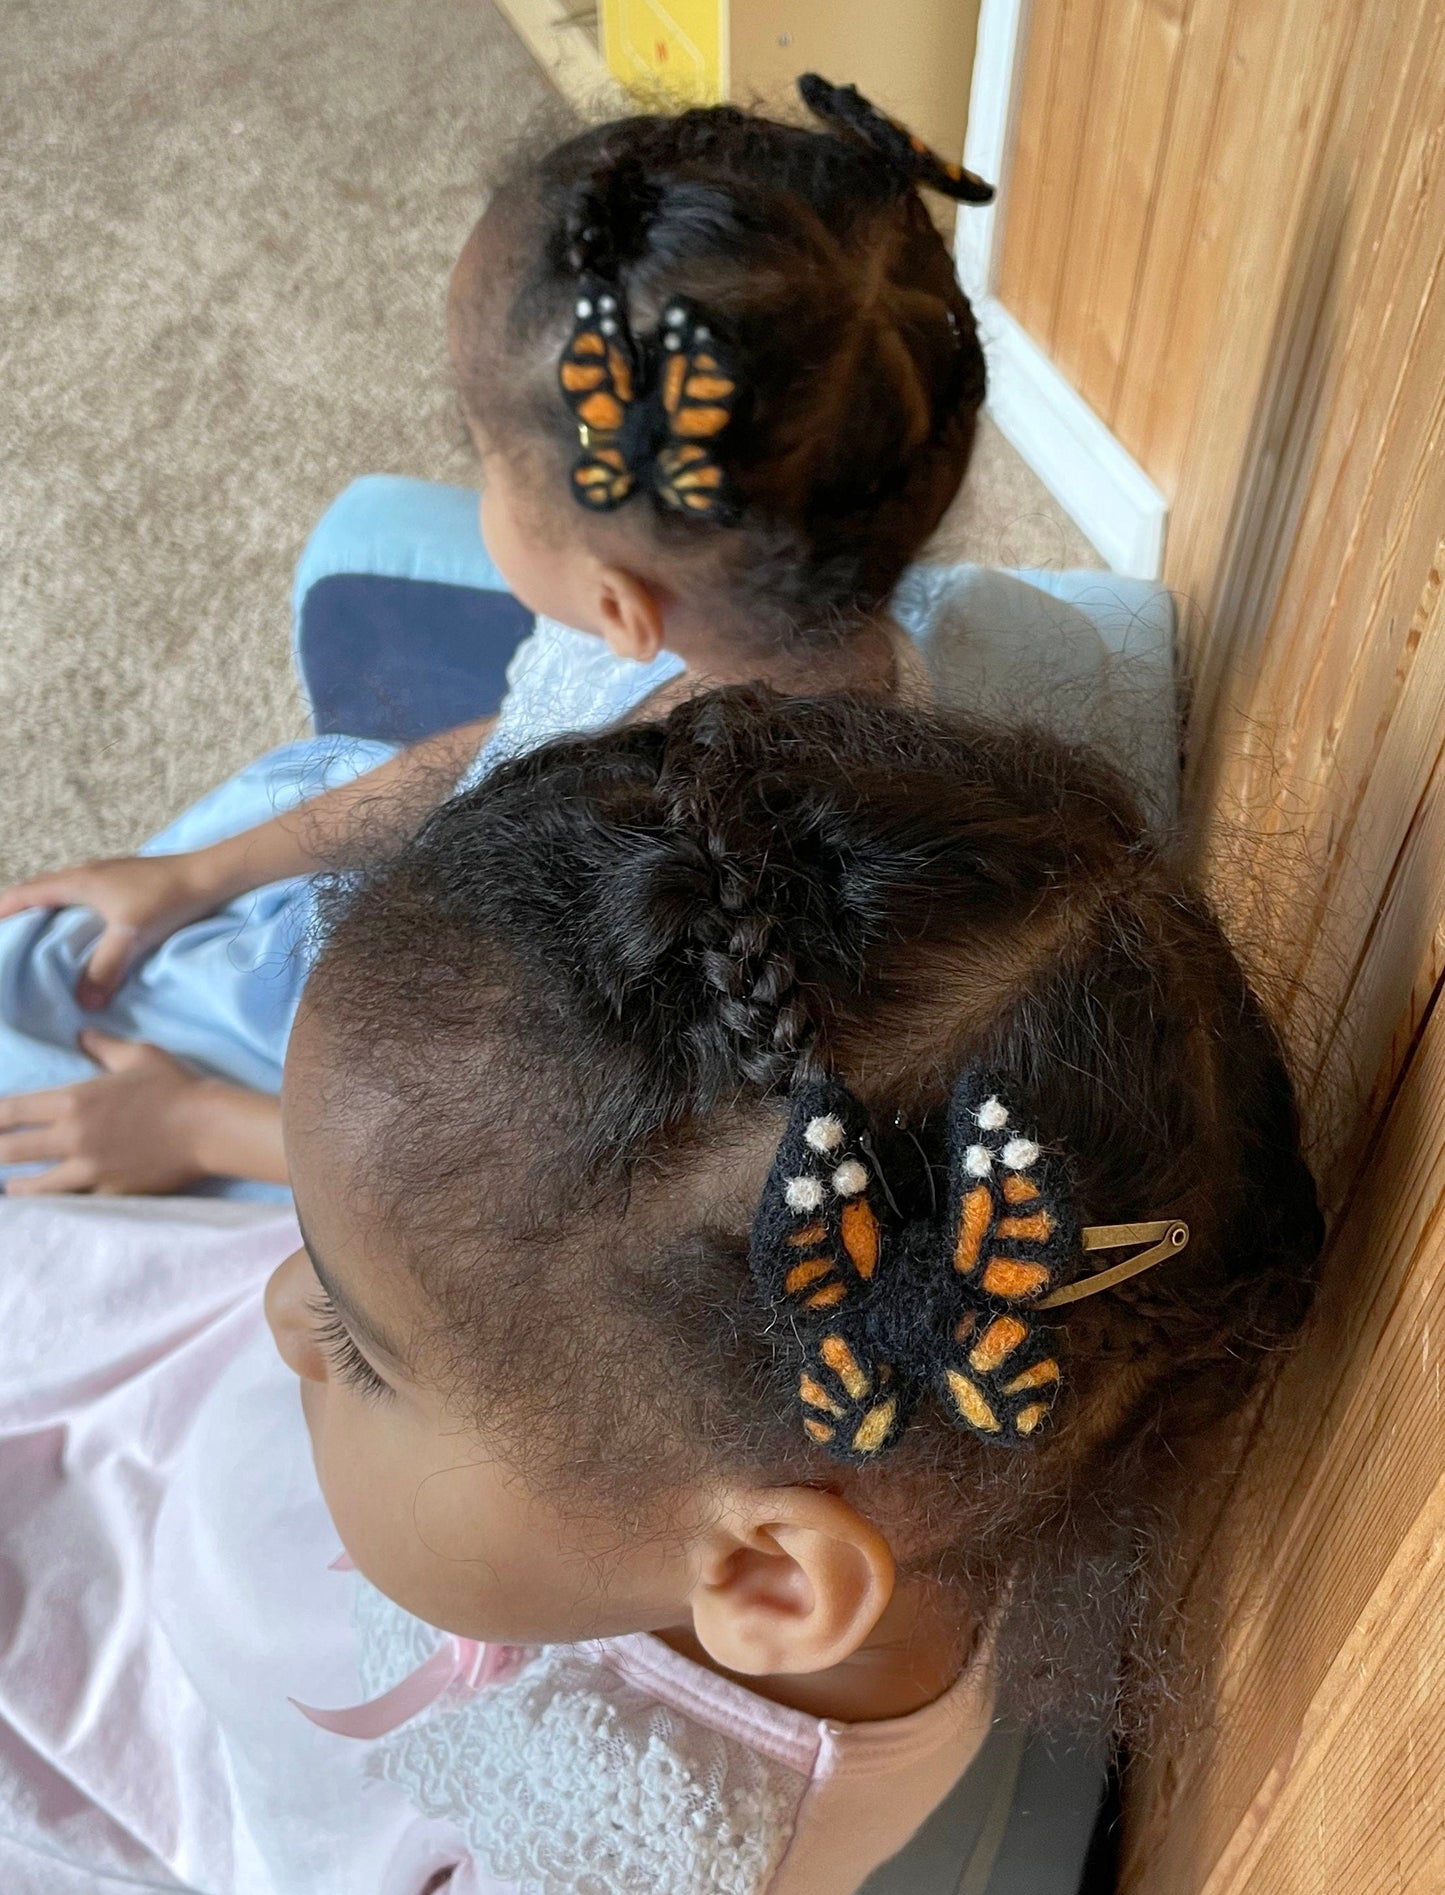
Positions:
(724, 384)
(712, 1140)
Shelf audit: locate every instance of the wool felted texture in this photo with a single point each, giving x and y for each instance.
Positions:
(649, 409)
(819, 1256)
(894, 1290)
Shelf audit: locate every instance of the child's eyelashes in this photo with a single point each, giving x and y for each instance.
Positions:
(341, 1352)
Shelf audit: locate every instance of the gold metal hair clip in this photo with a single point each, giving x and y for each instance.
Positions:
(1166, 1237)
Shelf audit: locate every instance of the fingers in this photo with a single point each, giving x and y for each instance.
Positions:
(45, 891)
(36, 1144)
(109, 963)
(113, 1055)
(33, 1108)
(74, 1175)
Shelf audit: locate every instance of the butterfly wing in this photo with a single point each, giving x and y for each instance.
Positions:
(852, 1403)
(1015, 1233)
(818, 1253)
(699, 392)
(598, 381)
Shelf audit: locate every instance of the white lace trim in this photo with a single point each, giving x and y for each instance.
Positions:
(561, 681)
(567, 1780)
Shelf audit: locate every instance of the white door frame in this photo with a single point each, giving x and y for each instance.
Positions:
(1100, 485)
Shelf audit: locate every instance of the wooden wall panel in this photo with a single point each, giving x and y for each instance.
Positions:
(1252, 294)
(1056, 86)
(1322, 1578)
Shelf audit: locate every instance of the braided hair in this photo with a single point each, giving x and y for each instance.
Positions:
(577, 1003)
(859, 370)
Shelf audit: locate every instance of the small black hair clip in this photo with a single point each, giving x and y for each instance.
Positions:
(845, 109)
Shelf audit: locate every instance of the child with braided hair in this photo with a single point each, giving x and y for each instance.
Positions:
(782, 1188)
(724, 384)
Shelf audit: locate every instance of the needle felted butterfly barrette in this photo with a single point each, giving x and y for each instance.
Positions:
(888, 1308)
(845, 109)
(650, 411)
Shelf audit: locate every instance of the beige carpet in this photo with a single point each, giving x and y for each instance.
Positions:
(225, 231)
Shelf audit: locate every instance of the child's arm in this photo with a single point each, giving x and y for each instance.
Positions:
(374, 810)
(146, 1125)
(144, 899)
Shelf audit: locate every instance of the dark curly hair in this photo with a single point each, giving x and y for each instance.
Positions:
(574, 1006)
(855, 349)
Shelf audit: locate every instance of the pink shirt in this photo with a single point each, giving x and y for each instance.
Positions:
(166, 1591)
(619, 1764)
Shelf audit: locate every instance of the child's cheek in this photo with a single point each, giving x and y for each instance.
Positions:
(338, 1460)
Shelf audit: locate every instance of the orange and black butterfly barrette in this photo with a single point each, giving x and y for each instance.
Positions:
(845, 108)
(648, 414)
(887, 1308)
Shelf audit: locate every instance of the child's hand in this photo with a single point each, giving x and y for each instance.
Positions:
(141, 899)
(130, 1130)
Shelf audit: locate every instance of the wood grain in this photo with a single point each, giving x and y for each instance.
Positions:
(1055, 97)
(1273, 318)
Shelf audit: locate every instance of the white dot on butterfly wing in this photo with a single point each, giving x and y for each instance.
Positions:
(584, 307)
(978, 1161)
(803, 1194)
(675, 317)
(824, 1134)
(1020, 1153)
(992, 1115)
(671, 341)
(607, 304)
(607, 326)
(850, 1178)
(702, 334)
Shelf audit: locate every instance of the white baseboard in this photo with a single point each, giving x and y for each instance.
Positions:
(988, 143)
(1099, 485)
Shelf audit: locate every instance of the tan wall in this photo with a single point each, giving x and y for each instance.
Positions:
(912, 57)
(1228, 227)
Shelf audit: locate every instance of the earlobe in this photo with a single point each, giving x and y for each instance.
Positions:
(794, 1582)
(631, 614)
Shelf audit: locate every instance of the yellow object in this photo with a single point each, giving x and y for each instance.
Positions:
(677, 46)
(875, 1427)
(970, 1402)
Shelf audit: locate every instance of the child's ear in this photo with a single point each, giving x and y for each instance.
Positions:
(631, 614)
(794, 1580)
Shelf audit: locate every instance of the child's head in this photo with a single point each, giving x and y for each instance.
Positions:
(541, 1078)
(832, 298)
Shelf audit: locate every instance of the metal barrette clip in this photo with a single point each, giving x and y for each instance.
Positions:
(1165, 1237)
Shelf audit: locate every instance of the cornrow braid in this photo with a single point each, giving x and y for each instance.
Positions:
(855, 352)
(744, 955)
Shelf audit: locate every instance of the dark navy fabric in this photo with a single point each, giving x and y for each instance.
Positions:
(1018, 1822)
(398, 659)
